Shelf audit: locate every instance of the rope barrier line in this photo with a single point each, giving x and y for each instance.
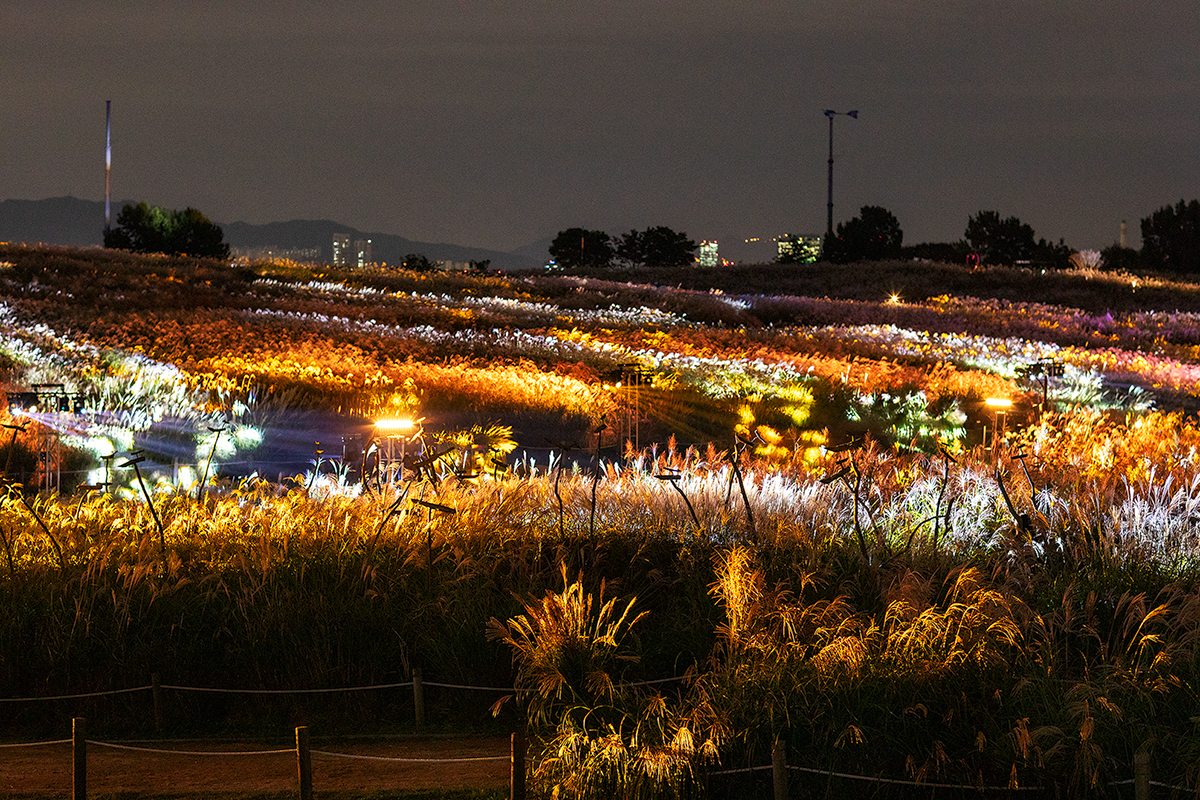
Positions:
(886, 780)
(743, 769)
(409, 760)
(913, 783)
(115, 746)
(1169, 786)
(659, 680)
(217, 690)
(458, 686)
(75, 696)
(288, 691)
(471, 759)
(1159, 784)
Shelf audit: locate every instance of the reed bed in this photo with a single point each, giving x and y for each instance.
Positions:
(899, 604)
(985, 620)
(348, 341)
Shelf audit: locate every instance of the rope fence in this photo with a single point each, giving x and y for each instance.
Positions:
(297, 691)
(222, 690)
(302, 752)
(398, 760)
(780, 769)
(155, 687)
(924, 784)
(418, 684)
(518, 762)
(164, 751)
(37, 744)
(76, 696)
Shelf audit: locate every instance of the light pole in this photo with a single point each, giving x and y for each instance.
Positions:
(831, 114)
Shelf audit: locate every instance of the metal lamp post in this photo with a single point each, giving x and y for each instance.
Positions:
(831, 114)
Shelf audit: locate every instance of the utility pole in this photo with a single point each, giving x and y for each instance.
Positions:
(107, 165)
(831, 114)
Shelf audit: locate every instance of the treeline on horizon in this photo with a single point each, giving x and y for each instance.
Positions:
(1170, 243)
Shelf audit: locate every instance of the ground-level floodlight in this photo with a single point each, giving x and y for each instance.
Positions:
(999, 406)
(393, 431)
(396, 425)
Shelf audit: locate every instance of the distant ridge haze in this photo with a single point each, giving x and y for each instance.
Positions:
(76, 222)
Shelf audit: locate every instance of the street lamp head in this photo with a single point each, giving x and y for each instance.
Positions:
(853, 113)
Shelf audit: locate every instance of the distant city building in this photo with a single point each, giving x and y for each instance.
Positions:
(362, 253)
(351, 254)
(708, 254)
(341, 249)
(798, 249)
(276, 253)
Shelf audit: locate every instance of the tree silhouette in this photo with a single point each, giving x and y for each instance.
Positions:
(656, 247)
(1008, 241)
(1171, 238)
(1000, 241)
(577, 247)
(144, 228)
(873, 235)
(417, 262)
(1120, 259)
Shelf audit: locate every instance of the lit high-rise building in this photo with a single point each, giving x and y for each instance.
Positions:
(708, 254)
(362, 252)
(341, 249)
(797, 249)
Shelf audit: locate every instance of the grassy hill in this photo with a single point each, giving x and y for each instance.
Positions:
(862, 574)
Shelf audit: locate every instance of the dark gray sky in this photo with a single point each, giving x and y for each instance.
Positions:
(498, 123)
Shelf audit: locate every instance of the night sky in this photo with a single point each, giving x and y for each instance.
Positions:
(495, 124)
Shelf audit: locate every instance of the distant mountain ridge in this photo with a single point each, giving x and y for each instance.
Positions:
(76, 222)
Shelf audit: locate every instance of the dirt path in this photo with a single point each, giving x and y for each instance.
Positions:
(48, 769)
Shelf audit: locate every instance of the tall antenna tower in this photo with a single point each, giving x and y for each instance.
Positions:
(107, 165)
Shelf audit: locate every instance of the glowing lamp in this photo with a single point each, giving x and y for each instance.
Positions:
(398, 424)
(998, 402)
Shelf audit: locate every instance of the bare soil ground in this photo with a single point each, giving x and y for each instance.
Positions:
(47, 770)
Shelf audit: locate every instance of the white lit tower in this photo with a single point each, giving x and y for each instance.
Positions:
(341, 250)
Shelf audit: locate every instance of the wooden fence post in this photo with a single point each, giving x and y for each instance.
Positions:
(1141, 776)
(779, 769)
(516, 783)
(79, 751)
(304, 763)
(418, 697)
(156, 694)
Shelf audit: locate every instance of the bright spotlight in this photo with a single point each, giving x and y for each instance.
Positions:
(396, 424)
(998, 402)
